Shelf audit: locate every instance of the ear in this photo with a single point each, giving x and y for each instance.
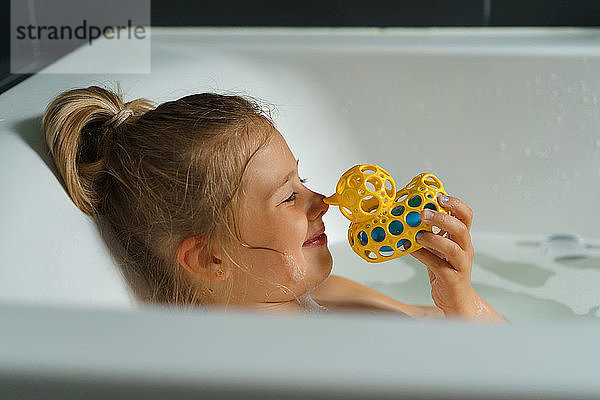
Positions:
(194, 255)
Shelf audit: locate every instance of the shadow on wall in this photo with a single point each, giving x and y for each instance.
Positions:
(30, 130)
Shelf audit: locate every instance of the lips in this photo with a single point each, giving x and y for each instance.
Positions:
(316, 239)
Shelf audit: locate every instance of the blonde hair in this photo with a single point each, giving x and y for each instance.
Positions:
(156, 175)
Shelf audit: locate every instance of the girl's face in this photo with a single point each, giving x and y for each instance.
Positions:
(278, 212)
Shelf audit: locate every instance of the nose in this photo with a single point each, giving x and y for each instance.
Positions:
(318, 207)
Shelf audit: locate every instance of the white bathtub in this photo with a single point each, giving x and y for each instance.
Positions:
(507, 119)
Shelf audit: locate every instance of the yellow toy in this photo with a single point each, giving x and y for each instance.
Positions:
(384, 223)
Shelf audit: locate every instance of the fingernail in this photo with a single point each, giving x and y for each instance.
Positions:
(427, 214)
(443, 198)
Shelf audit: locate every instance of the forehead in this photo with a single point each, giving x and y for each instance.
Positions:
(269, 166)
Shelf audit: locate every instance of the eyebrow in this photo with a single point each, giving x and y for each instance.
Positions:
(285, 180)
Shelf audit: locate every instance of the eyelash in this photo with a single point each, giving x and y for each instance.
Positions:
(291, 198)
(293, 195)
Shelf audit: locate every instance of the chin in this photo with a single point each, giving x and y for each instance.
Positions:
(323, 264)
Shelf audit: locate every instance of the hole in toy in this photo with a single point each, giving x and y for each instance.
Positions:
(429, 196)
(413, 219)
(431, 206)
(395, 227)
(403, 244)
(421, 189)
(354, 181)
(389, 188)
(361, 191)
(367, 170)
(378, 234)
(421, 232)
(347, 211)
(369, 204)
(363, 238)
(374, 184)
(431, 182)
(370, 255)
(386, 251)
(435, 230)
(401, 198)
(397, 211)
(415, 201)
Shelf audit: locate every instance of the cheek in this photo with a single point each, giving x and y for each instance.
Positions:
(286, 232)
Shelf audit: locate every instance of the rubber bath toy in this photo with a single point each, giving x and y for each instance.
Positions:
(384, 223)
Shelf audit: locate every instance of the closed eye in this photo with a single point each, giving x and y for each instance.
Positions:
(291, 198)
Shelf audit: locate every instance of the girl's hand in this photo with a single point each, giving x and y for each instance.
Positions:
(449, 261)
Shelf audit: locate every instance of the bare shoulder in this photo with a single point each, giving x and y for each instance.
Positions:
(340, 293)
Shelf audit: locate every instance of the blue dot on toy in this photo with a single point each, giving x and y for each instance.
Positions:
(397, 211)
(403, 244)
(413, 219)
(386, 251)
(378, 234)
(415, 201)
(431, 206)
(363, 238)
(395, 227)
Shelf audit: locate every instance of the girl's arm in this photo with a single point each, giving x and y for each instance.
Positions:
(338, 292)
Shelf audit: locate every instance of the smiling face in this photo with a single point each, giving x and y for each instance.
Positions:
(279, 213)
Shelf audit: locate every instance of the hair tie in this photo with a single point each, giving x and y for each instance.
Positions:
(119, 118)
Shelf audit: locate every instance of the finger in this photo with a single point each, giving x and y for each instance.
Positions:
(435, 264)
(458, 209)
(450, 250)
(437, 253)
(456, 228)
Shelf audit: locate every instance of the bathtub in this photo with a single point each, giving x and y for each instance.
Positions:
(507, 118)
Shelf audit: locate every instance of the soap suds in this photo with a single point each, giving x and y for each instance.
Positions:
(310, 306)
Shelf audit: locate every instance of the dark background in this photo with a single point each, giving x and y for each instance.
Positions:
(346, 13)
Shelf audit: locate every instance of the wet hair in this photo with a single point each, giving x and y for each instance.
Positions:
(156, 175)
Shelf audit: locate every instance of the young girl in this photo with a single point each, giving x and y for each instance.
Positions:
(203, 194)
